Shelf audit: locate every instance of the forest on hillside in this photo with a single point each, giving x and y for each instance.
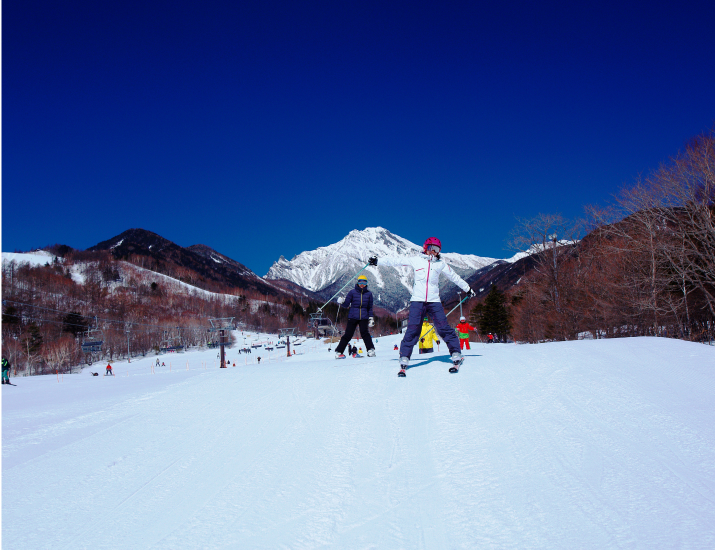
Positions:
(646, 265)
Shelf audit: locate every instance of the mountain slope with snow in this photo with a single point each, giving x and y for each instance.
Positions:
(587, 444)
(199, 262)
(326, 269)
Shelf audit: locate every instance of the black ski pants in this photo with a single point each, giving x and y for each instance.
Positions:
(350, 330)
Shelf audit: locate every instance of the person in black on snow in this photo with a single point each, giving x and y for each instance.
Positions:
(359, 304)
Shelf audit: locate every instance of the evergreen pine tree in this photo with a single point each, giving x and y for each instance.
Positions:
(494, 314)
(74, 323)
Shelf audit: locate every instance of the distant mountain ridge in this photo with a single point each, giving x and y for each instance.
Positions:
(326, 269)
(206, 263)
(314, 275)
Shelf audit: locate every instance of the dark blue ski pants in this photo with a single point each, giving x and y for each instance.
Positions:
(414, 327)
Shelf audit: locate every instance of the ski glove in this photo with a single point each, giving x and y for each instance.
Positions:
(472, 294)
(371, 323)
(372, 260)
(341, 300)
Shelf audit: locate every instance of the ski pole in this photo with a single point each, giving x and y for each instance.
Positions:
(341, 288)
(447, 315)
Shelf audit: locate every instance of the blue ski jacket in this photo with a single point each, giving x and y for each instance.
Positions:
(359, 300)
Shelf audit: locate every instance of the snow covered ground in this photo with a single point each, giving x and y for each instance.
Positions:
(589, 444)
(39, 257)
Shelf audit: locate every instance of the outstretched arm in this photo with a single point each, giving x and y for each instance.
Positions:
(394, 261)
(456, 279)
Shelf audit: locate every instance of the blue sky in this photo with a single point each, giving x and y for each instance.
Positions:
(268, 128)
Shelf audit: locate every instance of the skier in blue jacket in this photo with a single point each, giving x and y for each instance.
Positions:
(359, 302)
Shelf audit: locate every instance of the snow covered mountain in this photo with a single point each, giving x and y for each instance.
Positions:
(326, 269)
(197, 263)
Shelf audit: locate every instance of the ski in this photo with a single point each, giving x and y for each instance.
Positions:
(455, 365)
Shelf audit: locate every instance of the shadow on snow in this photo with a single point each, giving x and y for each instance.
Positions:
(438, 359)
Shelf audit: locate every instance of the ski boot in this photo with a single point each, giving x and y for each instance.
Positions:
(371, 352)
(404, 363)
(457, 360)
(339, 355)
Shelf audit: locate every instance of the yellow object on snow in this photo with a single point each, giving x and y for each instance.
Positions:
(427, 341)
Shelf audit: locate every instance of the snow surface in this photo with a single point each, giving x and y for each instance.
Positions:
(588, 444)
(39, 257)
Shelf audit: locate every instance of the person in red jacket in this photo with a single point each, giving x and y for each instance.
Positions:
(463, 328)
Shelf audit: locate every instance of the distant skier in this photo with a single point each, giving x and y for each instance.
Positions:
(490, 338)
(425, 297)
(108, 371)
(428, 337)
(395, 348)
(359, 302)
(463, 328)
(157, 363)
(5, 371)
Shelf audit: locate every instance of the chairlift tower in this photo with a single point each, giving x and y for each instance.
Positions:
(222, 326)
(127, 330)
(287, 333)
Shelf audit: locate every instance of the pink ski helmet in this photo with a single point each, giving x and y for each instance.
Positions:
(433, 241)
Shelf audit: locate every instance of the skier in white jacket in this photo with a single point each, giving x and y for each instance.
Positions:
(425, 297)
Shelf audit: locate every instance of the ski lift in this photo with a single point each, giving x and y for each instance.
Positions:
(322, 325)
(92, 342)
(171, 343)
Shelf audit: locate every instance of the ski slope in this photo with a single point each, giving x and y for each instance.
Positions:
(589, 444)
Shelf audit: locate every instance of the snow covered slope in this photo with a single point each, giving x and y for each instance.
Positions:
(38, 257)
(588, 445)
(327, 268)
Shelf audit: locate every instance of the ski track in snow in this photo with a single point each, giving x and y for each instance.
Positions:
(589, 444)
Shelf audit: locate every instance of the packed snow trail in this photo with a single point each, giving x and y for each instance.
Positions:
(591, 444)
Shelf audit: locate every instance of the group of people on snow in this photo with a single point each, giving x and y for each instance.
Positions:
(425, 304)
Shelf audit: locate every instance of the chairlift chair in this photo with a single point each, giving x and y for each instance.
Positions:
(171, 343)
(322, 325)
(92, 342)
